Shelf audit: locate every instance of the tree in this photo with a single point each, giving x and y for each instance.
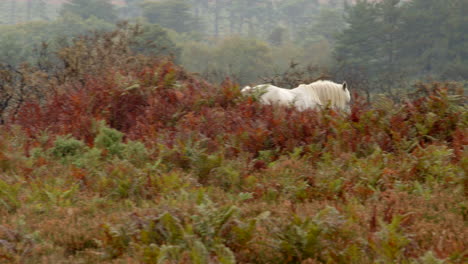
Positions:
(154, 40)
(390, 39)
(217, 8)
(41, 9)
(260, 16)
(298, 12)
(278, 36)
(12, 52)
(243, 59)
(372, 43)
(436, 38)
(102, 9)
(3, 13)
(36, 9)
(29, 5)
(173, 14)
(132, 9)
(19, 42)
(327, 25)
(357, 45)
(199, 6)
(12, 11)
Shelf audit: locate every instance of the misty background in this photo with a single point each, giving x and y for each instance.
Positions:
(377, 46)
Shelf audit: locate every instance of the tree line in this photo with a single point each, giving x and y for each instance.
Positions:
(390, 41)
(378, 45)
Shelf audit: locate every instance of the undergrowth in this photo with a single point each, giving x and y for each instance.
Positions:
(149, 164)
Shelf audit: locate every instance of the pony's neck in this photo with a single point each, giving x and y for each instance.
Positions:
(330, 93)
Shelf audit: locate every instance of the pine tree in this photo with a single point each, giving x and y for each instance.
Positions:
(132, 9)
(29, 5)
(173, 14)
(372, 42)
(12, 12)
(102, 9)
(298, 13)
(41, 9)
(390, 38)
(3, 13)
(436, 37)
(217, 9)
(357, 46)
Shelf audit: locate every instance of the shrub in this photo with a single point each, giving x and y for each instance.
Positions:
(67, 148)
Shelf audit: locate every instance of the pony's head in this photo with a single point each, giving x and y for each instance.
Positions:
(256, 90)
(246, 89)
(347, 97)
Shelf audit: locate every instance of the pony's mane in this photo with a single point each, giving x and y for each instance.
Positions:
(329, 93)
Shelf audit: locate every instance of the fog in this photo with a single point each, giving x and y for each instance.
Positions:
(381, 44)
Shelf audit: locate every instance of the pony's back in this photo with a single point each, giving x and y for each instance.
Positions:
(298, 97)
(276, 95)
(304, 99)
(270, 94)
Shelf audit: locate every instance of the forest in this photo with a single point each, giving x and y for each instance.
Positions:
(125, 138)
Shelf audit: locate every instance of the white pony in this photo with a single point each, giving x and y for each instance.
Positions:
(305, 96)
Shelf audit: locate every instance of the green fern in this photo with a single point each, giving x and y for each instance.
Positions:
(199, 253)
(136, 153)
(313, 238)
(224, 254)
(51, 195)
(211, 221)
(169, 253)
(429, 258)
(172, 230)
(9, 196)
(117, 239)
(391, 241)
(205, 164)
(110, 140)
(67, 149)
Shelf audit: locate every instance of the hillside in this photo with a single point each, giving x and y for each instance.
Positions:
(122, 158)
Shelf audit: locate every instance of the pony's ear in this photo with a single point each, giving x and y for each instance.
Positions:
(345, 86)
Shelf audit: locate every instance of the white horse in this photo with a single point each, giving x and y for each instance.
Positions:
(305, 96)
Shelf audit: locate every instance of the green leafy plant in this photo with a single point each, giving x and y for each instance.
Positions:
(67, 148)
(10, 196)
